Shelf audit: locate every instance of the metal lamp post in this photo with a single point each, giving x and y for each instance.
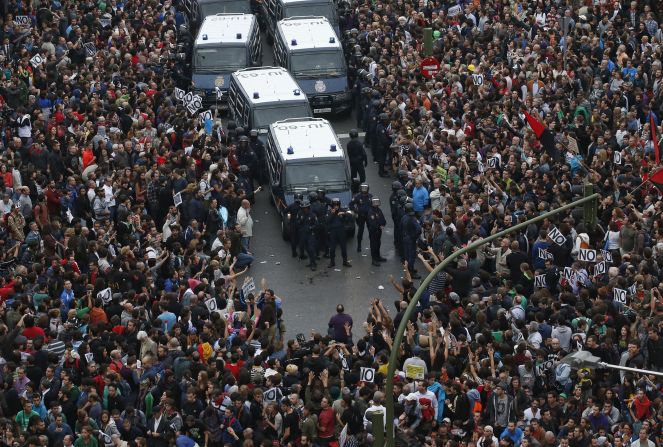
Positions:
(584, 359)
(398, 339)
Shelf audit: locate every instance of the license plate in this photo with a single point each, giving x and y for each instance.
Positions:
(325, 110)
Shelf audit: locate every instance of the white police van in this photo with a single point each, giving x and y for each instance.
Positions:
(224, 44)
(261, 96)
(197, 10)
(310, 49)
(304, 154)
(275, 10)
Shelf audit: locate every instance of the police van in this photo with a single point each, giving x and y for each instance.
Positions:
(197, 10)
(224, 44)
(304, 154)
(275, 10)
(310, 49)
(261, 96)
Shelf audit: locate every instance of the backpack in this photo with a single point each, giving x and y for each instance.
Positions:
(427, 411)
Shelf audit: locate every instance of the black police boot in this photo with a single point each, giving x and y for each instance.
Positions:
(382, 259)
(358, 248)
(346, 264)
(376, 263)
(331, 265)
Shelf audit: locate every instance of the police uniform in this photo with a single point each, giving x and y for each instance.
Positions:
(382, 145)
(375, 223)
(245, 183)
(320, 210)
(292, 211)
(259, 149)
(358, 159)
(394, 204)
(306, 225)
(336, 222)
(411, 229)
(360, 204)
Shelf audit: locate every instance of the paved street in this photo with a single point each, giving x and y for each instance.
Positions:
(310, 298)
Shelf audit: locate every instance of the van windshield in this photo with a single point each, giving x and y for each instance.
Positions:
(308, 9)
(235, 6)
(318, 63)
(225, 59)
(332, 175)
(263, 117)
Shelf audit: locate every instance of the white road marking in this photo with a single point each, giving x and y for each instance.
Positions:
(347, 135)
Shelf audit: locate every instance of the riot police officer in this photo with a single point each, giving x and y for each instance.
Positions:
(382, 143)
(291, 212)
(245, 182)
(320, 211)
(259, 150)
(322, 197)
(375, 109)
(336, 223)
(306, 225)
(357, 156)
(393, 206)
(360, 204)
(411, 230)
(246, 156)
(375, 222)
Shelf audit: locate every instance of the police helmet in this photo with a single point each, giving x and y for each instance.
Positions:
(353, 133)
(376, 94)
(361, 73)
(336, 201)
(305, 204)
(401, 194)
(239, 131)
(384, 117)
(313, 196)
(243, 139)
(403, 175)
(321, 191)
(366, 91)
(396, 186)
(354, 31)
(253, 133)
(299, 197)
(243, 169)
(409, 208)
(375, 201)
(363, 187)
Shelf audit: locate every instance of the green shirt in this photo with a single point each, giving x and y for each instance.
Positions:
(39, 298)
(23, 419)
(80, 442)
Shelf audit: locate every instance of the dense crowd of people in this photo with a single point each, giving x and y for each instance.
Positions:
(126, 228)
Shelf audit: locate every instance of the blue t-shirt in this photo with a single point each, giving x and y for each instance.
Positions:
(168, 319)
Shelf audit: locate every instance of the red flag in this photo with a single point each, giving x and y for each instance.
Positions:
(537, 126)
(652, 127)
(657, 178)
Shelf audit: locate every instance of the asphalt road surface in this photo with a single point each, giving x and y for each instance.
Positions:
(310, 298)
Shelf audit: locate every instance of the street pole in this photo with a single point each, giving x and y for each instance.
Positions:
(398, 339)
(428, 41)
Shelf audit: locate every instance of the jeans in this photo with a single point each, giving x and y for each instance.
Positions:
(245, 241)
(243, 260)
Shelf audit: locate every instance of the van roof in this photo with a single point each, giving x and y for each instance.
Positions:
(272, 84)
(225, 28)
(308, 138)
(305, 33)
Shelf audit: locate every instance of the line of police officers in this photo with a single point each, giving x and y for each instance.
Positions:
(320, 225)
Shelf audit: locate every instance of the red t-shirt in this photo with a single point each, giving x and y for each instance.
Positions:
(34, 332)
(326, 423)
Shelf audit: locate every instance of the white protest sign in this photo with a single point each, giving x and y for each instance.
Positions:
(89, 357)
(587, 255)
(179, 94)
(557, 236)
(541, 369)
(454, 11)
(248, 286)
(188, 97)
(197, 102)
(105, 23)
(573, 145)
(191, 108)
(543, 253)
(619, 296)
(23, 21)
(600, 268)
(344, 361)
(211, 304)
(492, 162)
(90, 49)
(632, 289)
(567, 273)
(607, 255)
(204, 116)
(540, 281)
(481, 167)
(219, 93)
(105, 295)
(367, 374)
(617, 158)
(478, 79)
(37, 60)
(177, 199)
